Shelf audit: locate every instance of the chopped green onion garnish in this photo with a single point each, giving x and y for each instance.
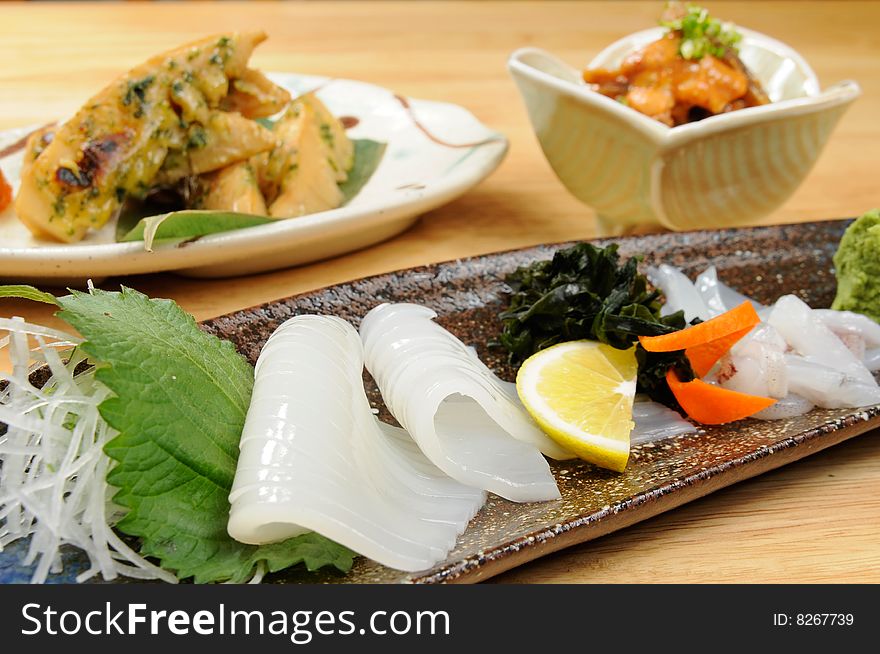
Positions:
(701, 34)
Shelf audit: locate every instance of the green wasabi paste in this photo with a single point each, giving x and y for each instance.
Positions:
(858, 267)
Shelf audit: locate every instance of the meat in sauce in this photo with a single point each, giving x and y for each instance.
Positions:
(660, 82)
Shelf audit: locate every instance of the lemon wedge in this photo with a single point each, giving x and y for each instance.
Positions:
(581, 394)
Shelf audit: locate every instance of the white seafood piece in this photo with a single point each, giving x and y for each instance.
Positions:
(654, 422)
(315, 458)
(756, 364)
(680, 293)
(828, 387)
(465, 420)
(718, 296)
(788, 407)
(849, 322)
(872, 359)
(802, 357)
(807, 335)
(765, 334)
(855, 344)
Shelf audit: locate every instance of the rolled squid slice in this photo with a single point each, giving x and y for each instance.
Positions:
(718, 296)
(315, 458)
(680, 293)
(386, 454)
(809, 336)
(458, 412)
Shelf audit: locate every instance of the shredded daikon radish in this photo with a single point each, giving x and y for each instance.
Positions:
(53, 468)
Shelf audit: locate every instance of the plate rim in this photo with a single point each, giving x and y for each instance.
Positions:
(71, 260)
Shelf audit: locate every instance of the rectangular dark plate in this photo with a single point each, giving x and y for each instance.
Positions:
(763, 262)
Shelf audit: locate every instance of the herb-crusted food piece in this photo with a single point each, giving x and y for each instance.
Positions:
(233, 188)
(254, 95)
(37, 141)
(222, 139)
(120, 139)
(181, 397)
(312, 156)
(339, 148)
(585, 292)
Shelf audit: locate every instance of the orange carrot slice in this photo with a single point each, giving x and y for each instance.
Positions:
(5, 192)
(703, 357)
(738, 319)
(713, 405)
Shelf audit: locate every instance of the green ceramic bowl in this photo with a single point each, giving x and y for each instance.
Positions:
(722, 171)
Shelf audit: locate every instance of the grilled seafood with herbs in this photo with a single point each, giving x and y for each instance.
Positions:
(186, 112)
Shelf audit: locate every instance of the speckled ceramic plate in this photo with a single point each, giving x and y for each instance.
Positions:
(763, 262)
(435, 152)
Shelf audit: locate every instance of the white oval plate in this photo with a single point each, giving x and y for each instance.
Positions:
(435, 152)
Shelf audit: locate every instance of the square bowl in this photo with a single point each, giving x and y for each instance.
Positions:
(722, 171)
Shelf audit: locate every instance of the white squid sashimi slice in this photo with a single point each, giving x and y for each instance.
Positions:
(654, 422)
(827, 387)
(809, 336)
(680, 293)
(849, 323)
(315, 458)
(454, 407)
(788, 407)
(872, 359)
(718, 296)
(755, 365)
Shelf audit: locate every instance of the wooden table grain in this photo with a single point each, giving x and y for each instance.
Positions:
(814, 521)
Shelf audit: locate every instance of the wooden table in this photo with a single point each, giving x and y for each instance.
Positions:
(818, 520)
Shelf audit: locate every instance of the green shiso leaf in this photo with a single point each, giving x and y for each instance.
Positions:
(25, 292)
(268, 123)
(181, 397)
(131, 214)
(585, 292)
(367, 157)
(191, 224)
